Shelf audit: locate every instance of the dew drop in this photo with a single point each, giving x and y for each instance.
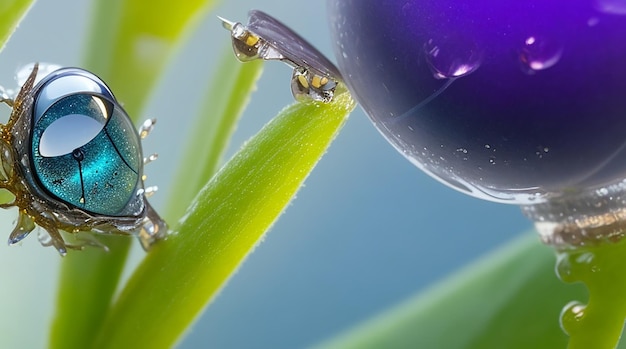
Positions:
(564, 267)
(539, 54)
(451, 58)
(600, 267)
(571, 315)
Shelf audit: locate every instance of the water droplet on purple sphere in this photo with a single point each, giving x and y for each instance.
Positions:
(539, 53)
(451, 58)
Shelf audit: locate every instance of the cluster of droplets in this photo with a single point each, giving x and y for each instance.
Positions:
(453, 58)
(457, 57)
(597, 324)
(539, 53)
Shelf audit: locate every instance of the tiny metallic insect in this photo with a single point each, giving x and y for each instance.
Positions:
(264, 37)
(72, 160)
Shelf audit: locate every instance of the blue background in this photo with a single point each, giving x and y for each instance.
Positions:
(367, 231)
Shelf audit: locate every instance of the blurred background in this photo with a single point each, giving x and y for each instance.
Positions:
(367, 231)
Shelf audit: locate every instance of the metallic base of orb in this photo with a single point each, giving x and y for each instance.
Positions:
(583, 218)
(610, 227)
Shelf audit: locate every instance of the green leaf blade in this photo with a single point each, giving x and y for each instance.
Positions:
(225, 222)
(226, 98)
(11, 13)
(128, 46)
(131, 42)
(87, 283)
(510, 299)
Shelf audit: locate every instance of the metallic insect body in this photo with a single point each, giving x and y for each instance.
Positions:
(264, 37)
(73, 162)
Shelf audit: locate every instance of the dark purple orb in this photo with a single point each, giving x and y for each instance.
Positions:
(512, 101)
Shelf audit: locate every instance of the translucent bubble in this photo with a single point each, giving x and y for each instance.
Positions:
(451, 58)
(539, 53)
(571, 316)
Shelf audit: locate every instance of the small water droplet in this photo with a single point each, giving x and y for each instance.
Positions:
(571, 315)
(492, 160)
(539, 54)
(564, 267)
(451, 58)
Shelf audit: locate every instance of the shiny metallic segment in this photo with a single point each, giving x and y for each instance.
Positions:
(266, 38)
(305, 84)
(73, 161)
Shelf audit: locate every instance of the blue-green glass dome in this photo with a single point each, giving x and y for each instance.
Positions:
(85, 151)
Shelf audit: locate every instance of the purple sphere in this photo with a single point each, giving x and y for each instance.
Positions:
(513, 101)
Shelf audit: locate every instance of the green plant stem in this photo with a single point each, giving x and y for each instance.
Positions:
(11, 13)
(601, 268)
(87, 283)
(225, 100)
(130, 43)
(224, 223)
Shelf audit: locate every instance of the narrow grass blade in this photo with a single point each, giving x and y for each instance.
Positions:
(510, 299)
(226, 220)
(87, 282)
(225, 101)
(132, 40)
(11, 13)
(129, 45)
